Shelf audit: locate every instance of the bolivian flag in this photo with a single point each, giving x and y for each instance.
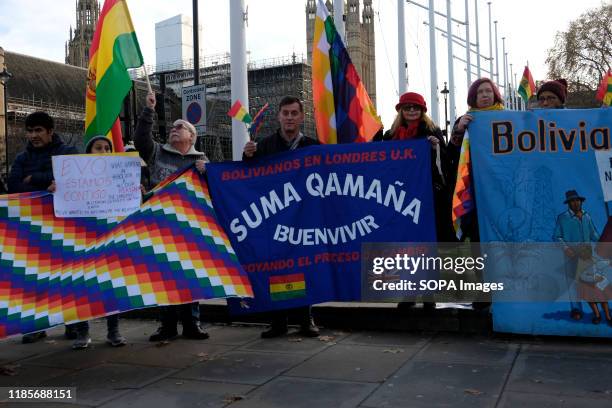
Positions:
(527, 86)
(285, 287)
(604, 92)
(239, 112)
(114, 49)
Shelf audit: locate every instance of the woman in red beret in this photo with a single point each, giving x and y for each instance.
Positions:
(412, 122)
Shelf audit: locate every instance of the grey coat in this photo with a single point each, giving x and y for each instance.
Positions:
(162, 159)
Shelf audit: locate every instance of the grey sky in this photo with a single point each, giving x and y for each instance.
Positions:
(277, 28)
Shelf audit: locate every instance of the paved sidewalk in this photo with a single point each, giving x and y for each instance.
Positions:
(339, 369)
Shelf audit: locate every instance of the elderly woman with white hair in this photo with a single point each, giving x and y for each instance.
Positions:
(163, 160)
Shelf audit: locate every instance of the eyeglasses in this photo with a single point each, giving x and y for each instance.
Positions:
(548, 98)
(408, 108)
(179, 126)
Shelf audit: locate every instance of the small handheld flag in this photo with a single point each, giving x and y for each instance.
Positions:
(258, 120)
(604, 92)
(238, 112)
(527, 87)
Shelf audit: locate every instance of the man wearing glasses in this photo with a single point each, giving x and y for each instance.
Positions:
(163, 160)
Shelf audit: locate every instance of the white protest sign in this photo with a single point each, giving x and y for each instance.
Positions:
(96, 185)
(604, 167)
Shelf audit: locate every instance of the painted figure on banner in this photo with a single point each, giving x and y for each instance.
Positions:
(576, 232)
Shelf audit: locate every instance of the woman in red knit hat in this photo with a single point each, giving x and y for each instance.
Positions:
(412, 122)
(552, 94)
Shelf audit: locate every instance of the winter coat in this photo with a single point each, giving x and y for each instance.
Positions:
(469, 222)
(275, 143)
(441, 187)
(36, 162)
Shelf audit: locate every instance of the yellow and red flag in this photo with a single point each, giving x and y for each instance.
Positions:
(114, 49)
(604, 92)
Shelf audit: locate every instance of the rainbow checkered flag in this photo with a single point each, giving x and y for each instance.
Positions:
(66, 270)
(463, 196)
(344, 112)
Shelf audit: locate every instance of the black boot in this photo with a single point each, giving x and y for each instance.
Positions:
(163, 334)
(194, 331)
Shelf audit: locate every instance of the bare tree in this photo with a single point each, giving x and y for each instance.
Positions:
(583, 52)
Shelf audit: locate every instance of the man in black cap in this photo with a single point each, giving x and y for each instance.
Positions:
(574, 226)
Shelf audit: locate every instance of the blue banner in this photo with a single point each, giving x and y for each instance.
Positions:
(297, 220)
(527, 167)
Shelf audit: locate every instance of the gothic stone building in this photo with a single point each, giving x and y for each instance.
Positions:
(77, 47)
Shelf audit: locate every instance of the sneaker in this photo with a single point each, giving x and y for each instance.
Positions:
(274, 331)
(194, 332)
(115, 339)
(82, 341)
(163, 334)
(309, 330)
(33, 337)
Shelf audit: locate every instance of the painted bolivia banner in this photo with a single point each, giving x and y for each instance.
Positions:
(527, 167)
(297, 220)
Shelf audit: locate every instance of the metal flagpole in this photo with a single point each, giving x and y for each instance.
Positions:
(504, 67)
(490, 43)
(477, 38)
(338, 18)
(433, 63)
(468, 49)
(238, 68)
(402, 66)
(496, 56)
(451, 74)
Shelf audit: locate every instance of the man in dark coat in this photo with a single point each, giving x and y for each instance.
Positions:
(32, 169)
(288, 137)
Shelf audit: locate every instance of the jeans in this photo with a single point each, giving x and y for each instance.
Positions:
(112, 325)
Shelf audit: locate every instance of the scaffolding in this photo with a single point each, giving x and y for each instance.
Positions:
(269, 80)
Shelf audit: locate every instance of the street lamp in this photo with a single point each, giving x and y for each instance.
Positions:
(5, 76)
(445, 93)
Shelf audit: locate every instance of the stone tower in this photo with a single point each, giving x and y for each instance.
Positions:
(358, 38)
(77, 47)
